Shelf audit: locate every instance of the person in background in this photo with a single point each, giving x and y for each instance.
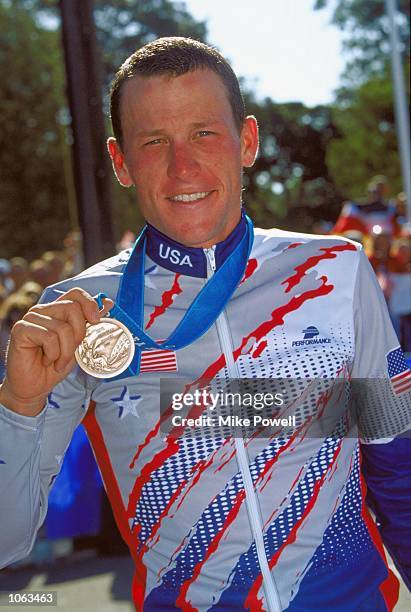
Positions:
(216, 522)
(375, 211)
(56, 262)
(401, 208)
(3, 294)
(5, 280)
(400, 295)
(32, 290)
(19, 272)
(40, 272)
(126, 242)
(381, 259)
(14, 307)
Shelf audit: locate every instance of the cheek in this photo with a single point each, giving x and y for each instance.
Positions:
(223, 157)
(143, 168)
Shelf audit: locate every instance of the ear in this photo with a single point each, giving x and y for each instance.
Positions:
(119, 165)
(249, 141)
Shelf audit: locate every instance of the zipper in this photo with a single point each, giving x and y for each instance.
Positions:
(270, 589)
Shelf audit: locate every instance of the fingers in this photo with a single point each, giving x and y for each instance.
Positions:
(107, 305)
(59, 327)
(30, 334)
(72, 318)
(86, 302)
(75, 304)
(66, 335)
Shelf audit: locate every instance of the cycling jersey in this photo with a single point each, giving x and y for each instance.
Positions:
(225, 523)
(367, 218)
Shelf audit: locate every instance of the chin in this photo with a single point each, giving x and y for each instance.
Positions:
(190, 235)
(191, 239)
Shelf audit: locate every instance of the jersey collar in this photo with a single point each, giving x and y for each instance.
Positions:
(190, 261)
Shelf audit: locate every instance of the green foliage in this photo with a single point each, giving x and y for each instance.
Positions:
(363, 112)
(367, 143)
(367, 41)
(36, 184)
(33, 197)
(122, 26)
(291, 171)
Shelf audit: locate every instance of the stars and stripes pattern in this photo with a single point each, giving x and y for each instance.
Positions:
(126, 403)
(398, 371)
(162, 360)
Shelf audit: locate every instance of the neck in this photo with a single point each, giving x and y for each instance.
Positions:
(190, 260)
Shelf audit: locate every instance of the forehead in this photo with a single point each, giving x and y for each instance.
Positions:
(195, 95)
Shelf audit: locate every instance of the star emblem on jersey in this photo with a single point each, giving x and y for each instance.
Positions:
(51, 402)
(126, 403)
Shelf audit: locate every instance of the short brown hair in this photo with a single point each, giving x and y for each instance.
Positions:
(175, 56)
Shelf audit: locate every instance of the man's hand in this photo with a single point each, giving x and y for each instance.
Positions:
(42, 346)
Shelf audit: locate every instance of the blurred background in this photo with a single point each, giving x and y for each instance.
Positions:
(317, 74)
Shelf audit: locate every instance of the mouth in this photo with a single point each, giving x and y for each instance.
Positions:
(190, 197)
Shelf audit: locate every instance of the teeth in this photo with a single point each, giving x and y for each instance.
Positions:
(192, 197)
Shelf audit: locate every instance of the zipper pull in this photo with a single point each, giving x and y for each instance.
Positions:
(210, 254)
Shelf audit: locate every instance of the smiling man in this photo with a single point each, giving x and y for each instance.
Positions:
(182, 149)
(278, 520)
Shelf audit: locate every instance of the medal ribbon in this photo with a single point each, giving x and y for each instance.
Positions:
(201, 314)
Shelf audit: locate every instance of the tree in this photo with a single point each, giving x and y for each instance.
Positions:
(367, 40)
(35, 187)
(33, 193)
(290, 183)
(363, 111)
(367, 143)
(125, 25)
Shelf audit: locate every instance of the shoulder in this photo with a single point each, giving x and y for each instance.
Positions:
(102, 277)
(282, 240)
(301, 255)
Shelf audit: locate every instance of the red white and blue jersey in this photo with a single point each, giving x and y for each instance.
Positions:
(219, 523)
(365, 217)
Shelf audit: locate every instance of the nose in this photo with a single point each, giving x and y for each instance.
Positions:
(182, 163)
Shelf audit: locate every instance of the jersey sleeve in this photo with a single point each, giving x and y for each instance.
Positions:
(380, 375)
(383, 382)
(386, 469)
(31, 455)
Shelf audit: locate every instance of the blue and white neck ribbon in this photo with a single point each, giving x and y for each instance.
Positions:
(201, 314)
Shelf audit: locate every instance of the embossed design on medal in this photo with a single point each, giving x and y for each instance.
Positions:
(107, 349)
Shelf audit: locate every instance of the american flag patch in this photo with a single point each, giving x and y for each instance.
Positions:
(158, 361)
(398, 371)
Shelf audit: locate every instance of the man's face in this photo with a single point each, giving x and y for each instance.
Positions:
(184, 154)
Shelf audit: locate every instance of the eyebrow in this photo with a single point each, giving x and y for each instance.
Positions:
(148, 134)
(159, 132)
